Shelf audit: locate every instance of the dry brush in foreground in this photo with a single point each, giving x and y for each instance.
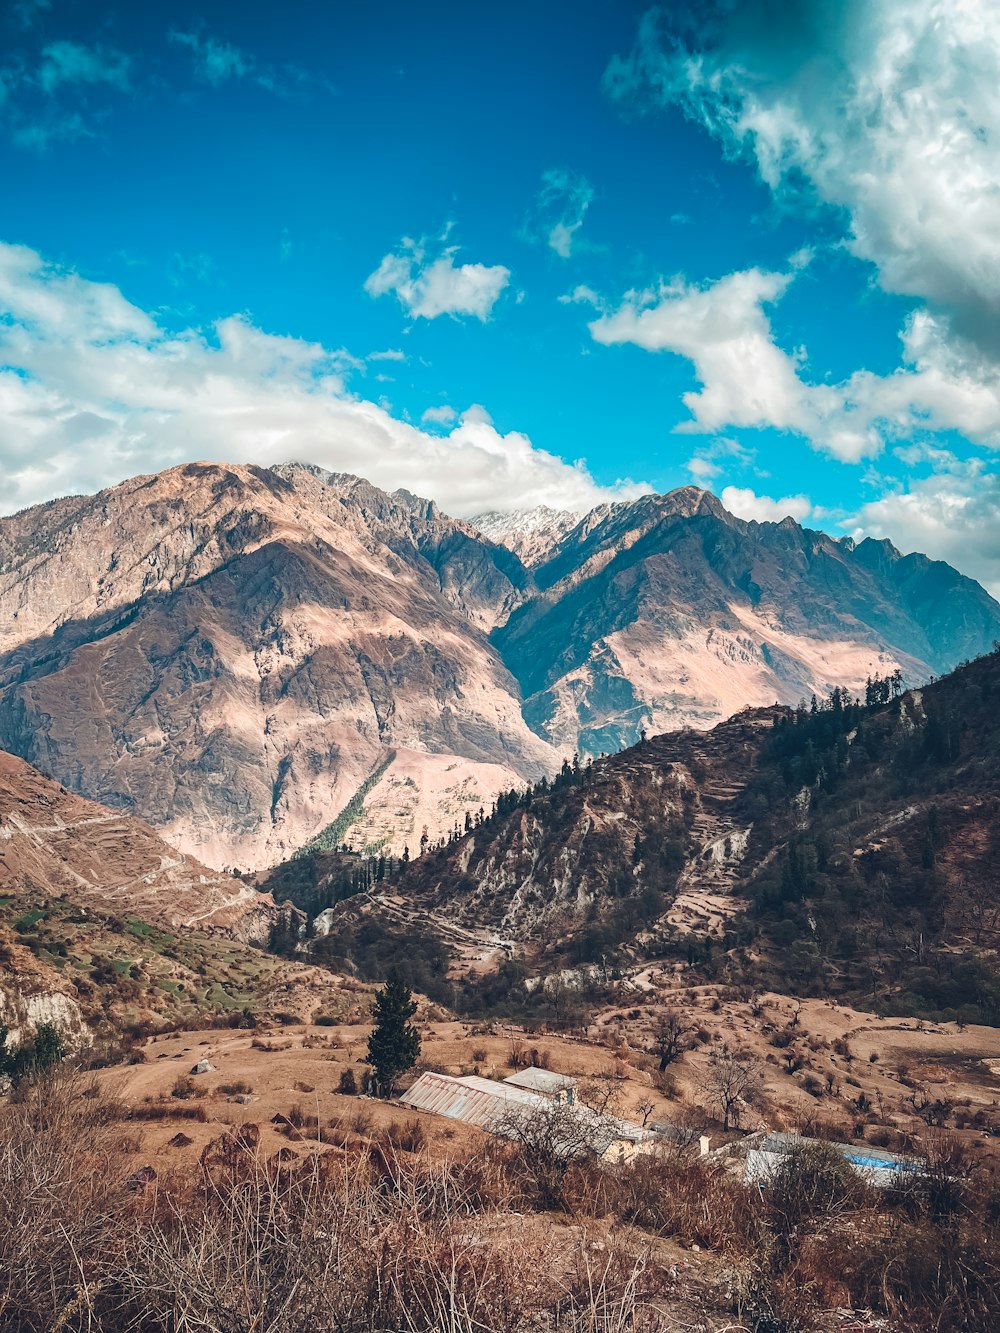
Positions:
(369, 1237)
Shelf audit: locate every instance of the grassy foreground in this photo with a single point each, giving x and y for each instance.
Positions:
(374, 1233)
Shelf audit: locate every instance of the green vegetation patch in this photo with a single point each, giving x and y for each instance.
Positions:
(333, 835)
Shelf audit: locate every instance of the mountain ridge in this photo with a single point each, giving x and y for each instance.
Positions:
(232, 652)
(847, 850)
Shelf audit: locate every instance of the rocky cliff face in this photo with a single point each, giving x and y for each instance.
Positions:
(232, 652)
(671, 612)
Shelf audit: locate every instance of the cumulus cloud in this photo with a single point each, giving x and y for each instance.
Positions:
(93, 389)
(427, 286)
(888, 111)
(952, 516)
(560, 210)
(944, 382)
(747, 379)
(889, 114)
(744, 503)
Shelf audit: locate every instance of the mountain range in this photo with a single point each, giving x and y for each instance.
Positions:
(253, 659)
(845, 851)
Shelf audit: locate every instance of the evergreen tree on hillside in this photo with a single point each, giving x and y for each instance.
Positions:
(47, 1049)
(394, 1044)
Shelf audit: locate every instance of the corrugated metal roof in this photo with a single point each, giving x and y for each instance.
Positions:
(860, 1154)
(541, 1080)
(476, 1101)
(877, 1166)
(484, 1102)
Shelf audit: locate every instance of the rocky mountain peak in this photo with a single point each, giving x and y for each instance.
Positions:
(531, 534)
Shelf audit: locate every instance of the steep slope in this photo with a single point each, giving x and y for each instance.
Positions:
(669, 611)
(848, 851)
(104, 926)
(232, 652)
(56, 844)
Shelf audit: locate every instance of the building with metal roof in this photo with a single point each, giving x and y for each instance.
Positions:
(545, 1081)
(764, 1153)
(473, 1100)
(503, 1108)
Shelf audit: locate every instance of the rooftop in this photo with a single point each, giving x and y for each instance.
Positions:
(473, 1100)
(484, 1102)
(541, 1080)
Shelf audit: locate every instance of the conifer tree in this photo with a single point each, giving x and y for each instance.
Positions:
(394, 1044)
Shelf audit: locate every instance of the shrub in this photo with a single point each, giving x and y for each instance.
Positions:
(238, 1087)
(348, 1084)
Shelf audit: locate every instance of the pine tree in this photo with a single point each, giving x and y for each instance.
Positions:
(394, 1044)
(48, 1048)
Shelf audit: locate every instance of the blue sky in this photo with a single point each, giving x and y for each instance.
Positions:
(513, 254)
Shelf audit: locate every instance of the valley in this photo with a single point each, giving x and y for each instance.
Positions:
(338, 737)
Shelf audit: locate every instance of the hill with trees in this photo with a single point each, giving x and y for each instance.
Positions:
(847, 847)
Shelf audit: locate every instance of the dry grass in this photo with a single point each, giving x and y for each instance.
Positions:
(369, 1233)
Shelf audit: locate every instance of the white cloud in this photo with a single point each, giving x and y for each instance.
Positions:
(744, 503)
(953, 517)
(943, 383)
(890, 111)
(390, 354)
(704, 464)
(439, 416)
(722, 328)
(93, 389)
(560, 210)
(581, 295)
(428, 287)
(701, 468)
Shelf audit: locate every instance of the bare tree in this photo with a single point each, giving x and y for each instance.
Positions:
(644, 1110)
(730, 1081)
(602, 1093)
(548, 1138)
(672, 1037)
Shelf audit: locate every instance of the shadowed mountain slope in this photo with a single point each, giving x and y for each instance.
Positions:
(848, 851)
